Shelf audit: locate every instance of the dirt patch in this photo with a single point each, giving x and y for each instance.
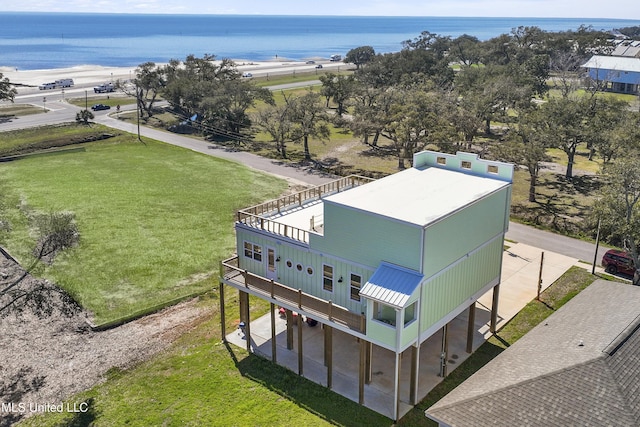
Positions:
(46, 360)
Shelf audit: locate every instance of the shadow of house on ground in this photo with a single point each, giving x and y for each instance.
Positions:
(319, 400)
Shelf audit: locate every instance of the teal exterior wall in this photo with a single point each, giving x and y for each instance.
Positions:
(368, 239)
(453, 286)
(451, 238)
(306, 258)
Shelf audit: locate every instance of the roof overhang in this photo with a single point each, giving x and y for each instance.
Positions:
(392, 285)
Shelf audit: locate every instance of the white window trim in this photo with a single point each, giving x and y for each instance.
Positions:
(333, 278)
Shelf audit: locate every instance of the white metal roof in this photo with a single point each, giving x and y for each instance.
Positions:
(618, 63)
(418, 196)
(392, 285)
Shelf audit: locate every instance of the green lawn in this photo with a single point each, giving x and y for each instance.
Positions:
(154, 220)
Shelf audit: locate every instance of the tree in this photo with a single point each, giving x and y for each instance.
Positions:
(276, 121)
(525, 147)
(360, 55)
(617, 206)
(491, 91)
(309, 119)
(224, 110)
(339, 88)
(215, 92)
(149, 82)
(466, 49)
(415, 117)
(611, 129)
(56, 231)
(370, 108)
(83, 116)
(7, 91)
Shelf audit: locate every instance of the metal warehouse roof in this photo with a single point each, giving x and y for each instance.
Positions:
(618, 63)
(392, 285)
(418, 196)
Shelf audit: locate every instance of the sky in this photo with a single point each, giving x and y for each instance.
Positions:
(622, 9)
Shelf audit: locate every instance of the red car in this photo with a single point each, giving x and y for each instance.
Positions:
(615, 261)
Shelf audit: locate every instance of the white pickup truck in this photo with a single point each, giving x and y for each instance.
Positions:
(104, 88)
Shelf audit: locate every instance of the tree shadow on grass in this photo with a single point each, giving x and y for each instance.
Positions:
(86, 415)
(320, 401)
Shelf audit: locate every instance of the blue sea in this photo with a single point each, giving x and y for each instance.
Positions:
(57, 40)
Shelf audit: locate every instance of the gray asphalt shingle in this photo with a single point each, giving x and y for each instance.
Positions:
(563, 372)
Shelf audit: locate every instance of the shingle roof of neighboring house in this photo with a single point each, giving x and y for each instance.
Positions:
(418, 196)
(391, 285)
(617, 63)
(580, 367)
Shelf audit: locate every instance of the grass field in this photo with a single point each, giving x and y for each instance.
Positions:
(154, 219)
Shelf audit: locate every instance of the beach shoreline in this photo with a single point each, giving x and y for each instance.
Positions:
(95, 74)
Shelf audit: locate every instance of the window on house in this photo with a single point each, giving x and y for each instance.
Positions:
(466, 164)
(410, 313)
(253, 251)
(492, 169)
(384, 313)
(442, 160)
(289, 263)
(310, 271)
(356, 284)
(327, 277)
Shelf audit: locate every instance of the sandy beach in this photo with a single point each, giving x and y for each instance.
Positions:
(93, 74)
(82, 74)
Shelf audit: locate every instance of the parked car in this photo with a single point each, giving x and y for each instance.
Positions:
(247, 75)
(311, 62)
(319, 66)
(98, 107)
(615, 261)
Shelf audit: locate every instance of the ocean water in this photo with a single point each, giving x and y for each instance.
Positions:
(56, 40)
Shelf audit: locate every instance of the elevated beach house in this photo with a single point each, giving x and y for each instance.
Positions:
(389, 262)
(615, 73)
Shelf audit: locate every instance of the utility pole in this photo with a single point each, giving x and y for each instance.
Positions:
(138, 110)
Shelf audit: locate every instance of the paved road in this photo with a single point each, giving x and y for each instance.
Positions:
(545, 240)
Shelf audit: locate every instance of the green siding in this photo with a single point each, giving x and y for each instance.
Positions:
(378, 331)
(460, 233)
(410, 332)
(452, 287)
(292, 277)
(368, 239)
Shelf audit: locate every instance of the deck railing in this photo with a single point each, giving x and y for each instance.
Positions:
(260, 216)
(315, 307)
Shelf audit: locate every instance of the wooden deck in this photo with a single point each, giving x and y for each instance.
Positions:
(262, 216)
(278, 293)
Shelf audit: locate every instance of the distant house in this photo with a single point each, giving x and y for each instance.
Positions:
(580, 367)
(616, 73)
(389, 262)
(628, 48)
